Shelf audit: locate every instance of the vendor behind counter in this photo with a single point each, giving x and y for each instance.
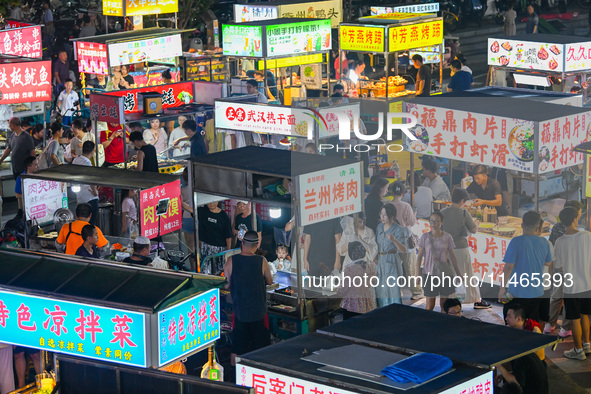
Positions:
(487, 190)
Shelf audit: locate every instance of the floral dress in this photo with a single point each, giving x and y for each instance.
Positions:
(389, 264)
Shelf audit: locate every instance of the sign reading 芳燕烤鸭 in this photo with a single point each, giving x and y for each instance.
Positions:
(169, 222)
(87, 331)
(92, 57)
(188, 326)
(330, 193)
(150, 49)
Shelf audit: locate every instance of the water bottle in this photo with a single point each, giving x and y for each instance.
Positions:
(507, 297)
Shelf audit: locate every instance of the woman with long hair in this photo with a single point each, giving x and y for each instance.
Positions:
(391, 238)
(156, 136)
(374, 202)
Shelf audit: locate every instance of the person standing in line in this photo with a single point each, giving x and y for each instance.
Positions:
(437, 248)
(509, 28)
(374, 203)
(406, 217)
(461, 80)
(355, 230)
(423, 81)
(55, 152)
(531, 26)
(572, 257)
(392, 240)
(423, 201)
(20, 146)
(147, 160)
(433, 181)
(247, 275)
(556, 299)
(458, 223)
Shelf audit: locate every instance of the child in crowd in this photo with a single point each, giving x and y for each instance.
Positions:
(90, 237)
(283, 261)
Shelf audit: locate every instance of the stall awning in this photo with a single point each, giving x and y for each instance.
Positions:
(125, 179)
(132, 35)
(544, 38)
(504, 107)
(75, 279)
(269, 161)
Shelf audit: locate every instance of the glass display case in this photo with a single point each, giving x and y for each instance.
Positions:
(209, 68)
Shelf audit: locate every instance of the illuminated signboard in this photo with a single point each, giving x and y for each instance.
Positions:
(25, 82)
(249, 13)
(330, 9)
(410, 9)
(303, 37)
(23, 41)
(526, 55)
(144, 50)
(240, 40)
(81, 330)
(140, 7)
(92, 58)
(362, 38)
(419, 35)
(290, 61)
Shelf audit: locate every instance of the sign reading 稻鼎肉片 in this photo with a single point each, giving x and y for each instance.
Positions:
(87, 331)
(330, 193)
(188, 326)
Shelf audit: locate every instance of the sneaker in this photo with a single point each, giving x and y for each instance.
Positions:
(417, 297)
(564, 333)
(482, 305)
(587, 348)
(573, 354)
(548, 328)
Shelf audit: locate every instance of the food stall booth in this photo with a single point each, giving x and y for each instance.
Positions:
(25, 86)
(45, 203)
(388, 39)
(533, 144)
(244, 173)
(551, 62)
(348, 357)
(110, 314)
(278, 44)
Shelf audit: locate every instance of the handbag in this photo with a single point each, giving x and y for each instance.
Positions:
(43, 159)
(440, 268)
(412, 241)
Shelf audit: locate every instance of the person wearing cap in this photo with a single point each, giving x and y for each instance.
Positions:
(141, 250)
(247, 275)
(243, 223)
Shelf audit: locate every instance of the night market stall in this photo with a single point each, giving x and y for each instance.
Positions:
(534, 146)
(275, 44)
(552, 62)
(116, 313)
(245, 174)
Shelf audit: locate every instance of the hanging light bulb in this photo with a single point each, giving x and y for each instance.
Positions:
(76, 188)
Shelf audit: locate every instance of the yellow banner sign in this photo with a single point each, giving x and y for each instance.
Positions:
(362, 38)
(291, 61)
(406, 37)
(396, 17)
(331, 9)
(113, 7)
(140, 7)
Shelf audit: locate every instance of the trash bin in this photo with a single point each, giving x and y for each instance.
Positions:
(105, 218)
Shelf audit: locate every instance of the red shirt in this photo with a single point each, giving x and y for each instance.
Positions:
(113, 152)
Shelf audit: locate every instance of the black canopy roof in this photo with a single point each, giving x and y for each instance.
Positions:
(125, 179)
(269, 161)
(100, 283)
(502, 106)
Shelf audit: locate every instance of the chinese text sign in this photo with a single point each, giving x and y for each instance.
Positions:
(23, 42)
(304, 37)
(415, 36)
(480, 384)
(557, 139)
(577, 56)
(25, 82)
(362, 38)
(188, 326)
(525, 55)
(150, 49)
(332, 121)
(173, 95)
(139, 7)
(92, 57)
(171, 220)
(81, 330)
(104, 108)
(240, 40)
(330, 193)
(42, 198)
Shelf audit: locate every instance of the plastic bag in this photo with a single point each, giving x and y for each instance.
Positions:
(159, 263)
(461, 293)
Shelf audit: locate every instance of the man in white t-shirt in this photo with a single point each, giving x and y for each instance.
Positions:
(573, 255)
(183, 149)
(88, 193)
(67, 102)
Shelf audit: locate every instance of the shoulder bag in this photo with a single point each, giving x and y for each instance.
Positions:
(43, 159)
(440, 268)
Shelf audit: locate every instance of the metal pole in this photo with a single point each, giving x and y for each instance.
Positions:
(190, 176)
(107, 24)
(387, 71)
(295, 241)
(451, 174)
(124, 145)
(97, 141)
(412, 179)
(537, 200)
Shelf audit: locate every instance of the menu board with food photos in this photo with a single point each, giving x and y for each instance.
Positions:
(526, 55)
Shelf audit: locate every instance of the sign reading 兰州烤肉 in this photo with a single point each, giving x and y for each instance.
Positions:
(330, 193)
(498, 141)
(81, 330)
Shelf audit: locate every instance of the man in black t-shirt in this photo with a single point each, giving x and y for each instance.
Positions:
(147, 160)
(215, 235)
(529, 372)
(243, 223)
(320, 247)
(423, 82)
(141, 251)
(487, 190)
